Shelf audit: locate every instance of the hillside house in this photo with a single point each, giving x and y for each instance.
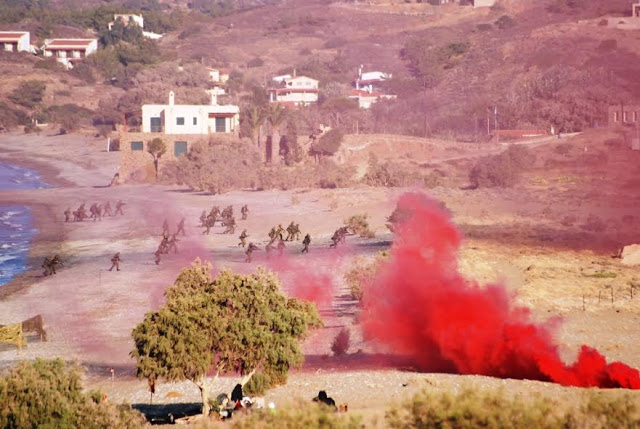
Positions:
(622, 114)
(483, 3)
(218, 76)
(371, 80)
(179, 126)
(296, 90)
(367, 98)
(131, 19)
(15, 41)
(69, 51)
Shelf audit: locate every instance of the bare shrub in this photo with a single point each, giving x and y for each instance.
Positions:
(563, 149)
(361, 272)
(341, 342)
(502, 170)
(568, 221)
(359, 225)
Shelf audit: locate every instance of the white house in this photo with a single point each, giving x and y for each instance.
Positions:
(483, 3)
(370, 79)
(68, 51)
(131, 19)
(189, 119)
(218, 76)
(366, 98)
(15, 41)
(296, 90)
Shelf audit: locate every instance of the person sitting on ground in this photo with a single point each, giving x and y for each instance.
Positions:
(237, 395)
(323, 398)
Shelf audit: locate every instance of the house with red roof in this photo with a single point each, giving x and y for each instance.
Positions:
(295, 91)
(15, 41)
(69, 51)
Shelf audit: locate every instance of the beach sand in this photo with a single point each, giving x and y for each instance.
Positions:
(89, 312)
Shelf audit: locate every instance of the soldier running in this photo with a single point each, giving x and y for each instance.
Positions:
(252, 247)
(306, 242)
(297, 232)
(119, 206)
(203, 218)
(290, 231)
(107, 209)
(165, 227)
(181, 227)
(231, 226)
(335, 238)
(47, 266)
(243, 237)
(115, 262)
(55, 261)
(172, 244)
(244, 211)
(158, 254)
(208, 224)
(67, 214)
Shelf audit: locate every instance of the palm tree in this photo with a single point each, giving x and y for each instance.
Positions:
(276, 116)
(156, 147)
(256, 118)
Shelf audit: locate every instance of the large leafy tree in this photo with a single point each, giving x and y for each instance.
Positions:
(156, 147)
(231, 324)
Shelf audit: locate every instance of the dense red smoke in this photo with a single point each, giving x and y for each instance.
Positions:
(419, 305)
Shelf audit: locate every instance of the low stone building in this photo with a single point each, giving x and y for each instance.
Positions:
(619, 114)
(69, 51)
(15, 41)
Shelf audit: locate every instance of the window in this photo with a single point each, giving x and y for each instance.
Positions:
(179, 121)
(624, 117)
(221, 125)
(179, 148)
(137, 146)
(635, 116)
(156, 125)
(615, 116)
(195, 121)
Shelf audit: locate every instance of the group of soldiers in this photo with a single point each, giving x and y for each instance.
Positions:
(277, 240)
(97, 212)
(169, 241)
(225, 217)
(50, 265)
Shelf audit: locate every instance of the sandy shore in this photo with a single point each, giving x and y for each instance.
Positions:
(89, 312)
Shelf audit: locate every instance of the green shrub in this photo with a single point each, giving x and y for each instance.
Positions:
(10, 118)
(255, 62)
(473, 409)
(505, 22)
(49, 394)
(29, 94)
(341, 342)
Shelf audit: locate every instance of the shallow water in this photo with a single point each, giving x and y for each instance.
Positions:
(16, 221)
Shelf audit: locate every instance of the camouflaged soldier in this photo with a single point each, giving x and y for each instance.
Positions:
(107, 209)
(244, 211)
(119, 206)
(67, 214)
(173, 244)
(243, 237)
(47, 266)
(181, 227)
(165, 227)
(115, 262)
(252, 247)
(305, 243)
(290, 231)
(55, 261)
(203, 218)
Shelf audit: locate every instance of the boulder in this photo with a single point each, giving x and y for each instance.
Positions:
(631, 255)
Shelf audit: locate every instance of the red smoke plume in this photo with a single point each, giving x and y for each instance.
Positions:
(421, 306)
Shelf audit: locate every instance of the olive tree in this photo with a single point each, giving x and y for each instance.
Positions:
(156, 147)
(232, 324)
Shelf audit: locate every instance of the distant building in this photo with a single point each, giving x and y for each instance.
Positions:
(179, 126)
(189, 119)
(218, 76)
(131, 19)
(15, 41)
(296, 90)
(483, 3)
(623, 114)
(366, 99)
(69, 51)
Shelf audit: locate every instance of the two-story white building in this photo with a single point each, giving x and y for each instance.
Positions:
(296, 90)
(189, 119)
(15, 41)
(68, 51)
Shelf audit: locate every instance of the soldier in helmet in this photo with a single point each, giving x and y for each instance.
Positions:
(67, 214)
(119, 206)
(306, 242)
(250, 249)
(244, 211)
(47, 266)
(172, 243)
(290, 231)
(107, 209)
(55, 261)
(243, 237)
(115, 262)
(181, 227)
(203, 218)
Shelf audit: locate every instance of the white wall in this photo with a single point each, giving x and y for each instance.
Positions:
(169, 118)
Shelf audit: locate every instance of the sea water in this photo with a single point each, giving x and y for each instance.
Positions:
(16, 222)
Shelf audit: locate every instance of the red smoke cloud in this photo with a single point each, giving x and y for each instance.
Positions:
(421, 306)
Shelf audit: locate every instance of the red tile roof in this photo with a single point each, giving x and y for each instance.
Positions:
(11, 36)
(64, 43)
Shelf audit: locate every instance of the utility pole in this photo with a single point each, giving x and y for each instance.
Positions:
(495, 122)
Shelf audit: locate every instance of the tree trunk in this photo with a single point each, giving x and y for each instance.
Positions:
(204, 393)
(155, 165)
(247, 377)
